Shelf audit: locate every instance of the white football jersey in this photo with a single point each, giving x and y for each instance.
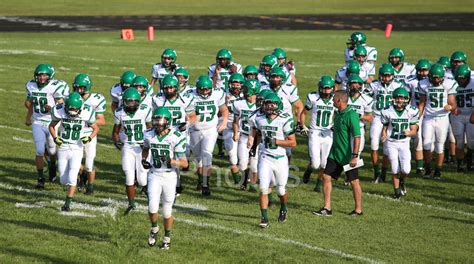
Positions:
(179, 107)
(411, 85)
(243, 109)
(322, 111)
(169, 145)
(371, 54)
(369, 69)
(116, 93)
(407, 71)
(42, 97)
(133, 125)
(464, 97)
(382, 94)
(437, 96)
(207, 109)
(96, 102)
(362, 105)
(341, 77)
(230, 99)
(72, 129)
(288, 94)
(148, 100)
(158, 72)
(398, 122)
(224, 74)
(278, 128)
(186, 90)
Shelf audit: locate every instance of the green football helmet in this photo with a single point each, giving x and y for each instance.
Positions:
(161, 119)
(463, 75)
(386, 73)
(458, 56)
(73, 104)
(236, 80)
(356, 38)
(251, 87)
(396, 53)
(326, 81)
(131, 100)
(168, 53)
(354, 89)
(126, 79)
(82, 80)
(250, 70)
(272, 104)
(204, 86)
(279, 53)
(43, 69)
(277, 71)
(268, 63)
(360, 51)
(353, 67)
(421, 66)
(261, 96)
(167, 84)
(141, 81)
(401, 98)
(223, 58)
(436, 71)
(182, 72)
(443, 60)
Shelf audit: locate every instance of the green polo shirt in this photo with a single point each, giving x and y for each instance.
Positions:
(346, 124)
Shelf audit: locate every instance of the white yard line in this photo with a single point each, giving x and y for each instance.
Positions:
(23, 140)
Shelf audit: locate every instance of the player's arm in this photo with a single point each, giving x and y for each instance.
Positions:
(252, 140)
(293, 79)
(145, 151)
(224, 113)
(451, 106)
(29, 113)
(370, 78)
(235, 128)
(383, 136)
(180, 161)
(412, 131)
(191, 117)
(421, 105)
(148, 125)
(153, 81)
(367, 117)
(298, 105)
(52, 128)
(114, 106)
(115, 134)
(471, 119)
(288, 142)
(100, 119)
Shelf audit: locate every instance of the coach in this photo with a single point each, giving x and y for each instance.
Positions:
(346, 124)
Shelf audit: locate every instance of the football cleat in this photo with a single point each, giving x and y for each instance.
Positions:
(420, 171)
(65, 208)
(263, 223)
(354, 213)
(89, 191)
(199, 187)
(144, 190)
(152, 238)
(40, 184)
(165, 245)
(252, 189)
(397, 196)
(403, 188)
(282, 216)
(323, 212)
(179, 189)
(129, 209)
(307, 174)
(437, 174)
(318, 186)
(206, 191)
(52, 173)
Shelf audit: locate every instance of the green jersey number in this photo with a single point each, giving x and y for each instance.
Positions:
(322, 118)
(436, 100)
(270, 134)
(464, 100)
(225, 77)
(244, 122)
(156, 155)
(71, 131)
(206, 112)
(383, 101)
(176, 117)
(39, 104)
(397, 130)
(134, 132)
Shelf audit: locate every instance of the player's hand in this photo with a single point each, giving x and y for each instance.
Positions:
(221, 127)
(457, 112)
(182, 127)
(448, 108)
(383, 137)
(304, 130)
(146, 165)
(47, 108)
(235, 137)
(28, 121)
(58, 141)
(233, 68)
(291, 65)
(253, 151)
(166, 160)
(407, 132)
(86, 140)
(353, 162)
(118, 145)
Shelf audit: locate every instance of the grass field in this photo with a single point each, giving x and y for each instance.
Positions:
(433, 223)
(226, 7)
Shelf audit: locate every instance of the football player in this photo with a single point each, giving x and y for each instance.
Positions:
(209, 104)
(437, 100)
(367, 69)
(342, 74)
(400, 122)
(381, 91)
(167, 148)
(220, 71)
(460, 120)
(361, 104)
(133, 118)
(422, 68)
(42, 94)
(250, 72)
(181, 107)
(73, 118)
(145, 90)
(242, 109)
(166, 66)
(276, 131)
(359, 39)
(266, 65)
(288, 67)
(457, 58)
(82, 85)
(320, 134)
(233, 93)
(116, 91)
(403, 70)
(183, 77)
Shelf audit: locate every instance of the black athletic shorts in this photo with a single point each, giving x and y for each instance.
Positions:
(335, 169)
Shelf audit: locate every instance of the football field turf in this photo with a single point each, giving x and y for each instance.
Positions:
(433, 223)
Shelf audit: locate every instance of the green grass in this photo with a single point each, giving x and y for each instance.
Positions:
(210, 7)
(433, 223)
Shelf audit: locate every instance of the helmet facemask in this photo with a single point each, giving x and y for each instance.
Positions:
(235, 88)
(436, 80)
(386, 78)
(131, 105)
(354, 88)
(360, 58)
(167, 61)
(395, 61)
(42, 79)
(223, 62)
(170, 92)
(204, 92)
(250, 76)
(422, 73)
(73, 111)
(326, 91)
(160, 124)
(141, 89)
(182, 81)
(270, 108)
(275, 81)
(82, 90)
(400, 102)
